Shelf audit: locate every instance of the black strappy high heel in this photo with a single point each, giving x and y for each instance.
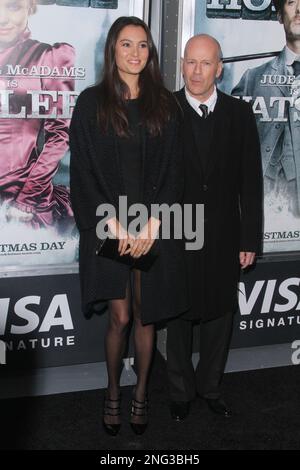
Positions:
(109, 410)
(139, 408)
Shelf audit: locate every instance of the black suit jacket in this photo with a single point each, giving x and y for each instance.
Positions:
(96, 178)
(231, 190)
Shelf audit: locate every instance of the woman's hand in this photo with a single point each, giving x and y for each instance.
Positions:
(125, 239)
(15, 214)
(143, 243)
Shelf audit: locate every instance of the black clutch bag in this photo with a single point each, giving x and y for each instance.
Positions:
(108, 248)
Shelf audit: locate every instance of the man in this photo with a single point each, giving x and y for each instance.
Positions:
(280, 135)
(223, 172)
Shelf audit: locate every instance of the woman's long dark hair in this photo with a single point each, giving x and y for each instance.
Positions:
(154, 100)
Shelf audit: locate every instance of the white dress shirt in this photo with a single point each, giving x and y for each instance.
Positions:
(210, 102)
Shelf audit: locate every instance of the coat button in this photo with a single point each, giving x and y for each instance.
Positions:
(154, 188)
(205, 187)
(277, 126)
(268, 149)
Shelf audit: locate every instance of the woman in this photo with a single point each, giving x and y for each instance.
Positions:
(32, 147)
(124, 140)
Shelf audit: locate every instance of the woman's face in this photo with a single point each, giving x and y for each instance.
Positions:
(13, 20)
(132, 51)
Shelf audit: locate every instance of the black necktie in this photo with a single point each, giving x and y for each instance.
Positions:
(296, 68)
(204, 110)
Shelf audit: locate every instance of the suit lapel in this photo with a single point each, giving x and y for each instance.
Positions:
(188, 127)
(220, 132)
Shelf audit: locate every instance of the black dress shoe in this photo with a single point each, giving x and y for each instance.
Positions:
(218, 406)
(179, 410)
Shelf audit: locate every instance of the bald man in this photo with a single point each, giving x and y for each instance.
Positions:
(223, 172)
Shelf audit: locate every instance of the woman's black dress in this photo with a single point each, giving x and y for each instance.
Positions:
(130, 155)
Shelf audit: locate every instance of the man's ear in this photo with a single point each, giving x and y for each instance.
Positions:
(181, 65)
(220, 69)
(279, 17)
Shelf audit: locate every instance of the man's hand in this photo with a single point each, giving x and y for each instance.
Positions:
(14, 214)
(143, 243)
(246, 258)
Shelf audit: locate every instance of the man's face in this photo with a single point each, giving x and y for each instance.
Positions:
(201, 66)
(13, 20)
(291, 19)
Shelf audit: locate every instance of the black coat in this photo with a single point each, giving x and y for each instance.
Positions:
(96, 178)
(231, 190)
